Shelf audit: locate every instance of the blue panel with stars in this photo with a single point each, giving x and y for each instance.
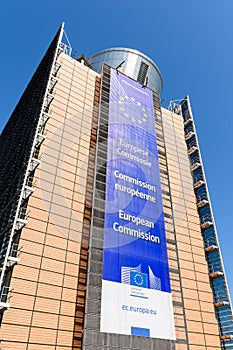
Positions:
(138, 279)
(135, 262)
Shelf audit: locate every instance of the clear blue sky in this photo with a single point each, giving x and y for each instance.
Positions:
(190, 41)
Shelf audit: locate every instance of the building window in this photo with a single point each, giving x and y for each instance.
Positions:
(142, 73)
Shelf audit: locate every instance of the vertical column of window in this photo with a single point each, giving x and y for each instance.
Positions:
(173, 259)
(85, 240)
(91, 335)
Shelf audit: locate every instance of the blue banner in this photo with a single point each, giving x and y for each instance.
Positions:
(135, 263)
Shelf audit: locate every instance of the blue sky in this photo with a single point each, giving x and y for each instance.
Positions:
(190, 41)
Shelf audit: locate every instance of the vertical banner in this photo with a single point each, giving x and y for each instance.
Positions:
(136, 294)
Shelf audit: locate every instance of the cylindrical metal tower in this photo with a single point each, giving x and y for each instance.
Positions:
(131, 62)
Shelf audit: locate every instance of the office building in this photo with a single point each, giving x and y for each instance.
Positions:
(108, 238)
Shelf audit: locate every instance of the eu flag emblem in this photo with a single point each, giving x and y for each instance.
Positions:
(138, 279)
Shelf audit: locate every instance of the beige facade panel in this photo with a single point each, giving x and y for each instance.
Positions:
(34, 235)
(68, 293)
(201, 268)
(18, 346)
(30, 260)
(44, 320)
(184, 246)
(49, 291)
(66, 323)
(196, 338)
(40, 347)
(17, 334)
(208, 308)
(48, 336)
(195, 326)
(211, 329)
(67, 308)
(186, 265)
(212, 340)
(193, 315)
(197, 243)
(190, 294)
(202, 277)
(47, 305)
(38, 225)
(22, 318)
(27, 273)
(54, 253)
(189, 284)
(23, 301)
(64, 338)
(209, 316)
(188, 256)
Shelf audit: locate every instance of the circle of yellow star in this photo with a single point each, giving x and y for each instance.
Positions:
(138, 279)
(138, 104)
